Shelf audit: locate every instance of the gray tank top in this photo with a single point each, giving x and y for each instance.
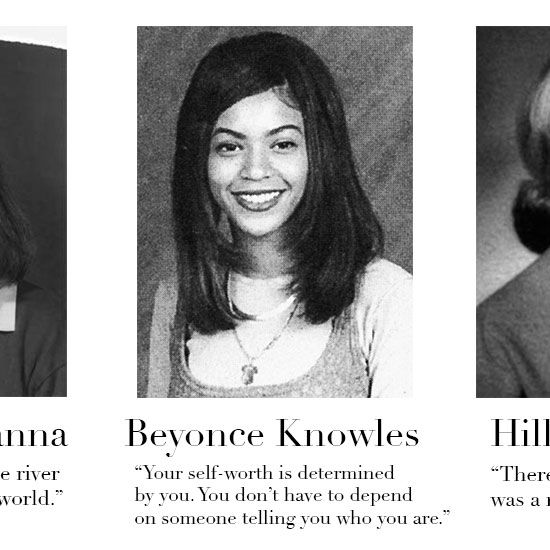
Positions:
(341, 371)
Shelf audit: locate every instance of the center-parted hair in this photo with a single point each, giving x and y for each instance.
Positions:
(16, 244)
(532, 207)
(333, 233)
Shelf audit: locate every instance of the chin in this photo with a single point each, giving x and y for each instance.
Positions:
(259, 229)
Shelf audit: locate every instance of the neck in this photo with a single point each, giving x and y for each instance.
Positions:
(266, 255)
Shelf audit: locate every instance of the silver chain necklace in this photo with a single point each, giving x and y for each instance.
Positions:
(250, 369)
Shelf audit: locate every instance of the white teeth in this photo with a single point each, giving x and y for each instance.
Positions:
(259, 198)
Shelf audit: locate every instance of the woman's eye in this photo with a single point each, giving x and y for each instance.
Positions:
(226, 148)
(286, 145)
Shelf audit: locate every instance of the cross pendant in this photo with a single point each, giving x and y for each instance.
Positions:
(248, 374)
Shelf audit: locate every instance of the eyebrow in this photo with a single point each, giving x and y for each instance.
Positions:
(273, 132)
(221, 130)
(285, 127)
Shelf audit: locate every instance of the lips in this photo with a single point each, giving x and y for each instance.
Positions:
(258, 201)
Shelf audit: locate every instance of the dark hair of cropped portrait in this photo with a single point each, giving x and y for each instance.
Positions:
(332, 234)
(16, 243)
(532, 206)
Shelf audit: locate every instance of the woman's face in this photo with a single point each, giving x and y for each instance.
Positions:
(257, 164)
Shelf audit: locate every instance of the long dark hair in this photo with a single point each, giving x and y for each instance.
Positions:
(532, 206)
(333, 233)
(16, 243)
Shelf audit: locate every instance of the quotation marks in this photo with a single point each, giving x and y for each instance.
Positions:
(495, 468)
(446, 512)
(58, 493)
(139, 468)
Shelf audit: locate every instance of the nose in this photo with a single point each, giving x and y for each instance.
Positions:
(256, 165)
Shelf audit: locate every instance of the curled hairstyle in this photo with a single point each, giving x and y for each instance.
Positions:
(332, 234)
(16, 245)
(532, 206)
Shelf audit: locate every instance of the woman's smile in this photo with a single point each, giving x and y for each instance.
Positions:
(258, 201)
(258, 164)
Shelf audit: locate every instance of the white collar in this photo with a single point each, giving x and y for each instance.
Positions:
(8, 295)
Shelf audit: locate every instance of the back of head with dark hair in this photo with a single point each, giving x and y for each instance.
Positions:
(16, 249)
(332, 234)
(532, 206)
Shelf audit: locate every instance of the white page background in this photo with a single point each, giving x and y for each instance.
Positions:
(449, 469)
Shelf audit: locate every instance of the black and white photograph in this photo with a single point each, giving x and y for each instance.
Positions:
(274, 212)
(513, 211)
(32, 218)
(197, 203)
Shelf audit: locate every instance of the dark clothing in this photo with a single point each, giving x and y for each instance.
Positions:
(33, 357)
(513, 336)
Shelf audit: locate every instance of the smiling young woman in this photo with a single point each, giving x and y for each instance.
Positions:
(257, 168)
(281, 290)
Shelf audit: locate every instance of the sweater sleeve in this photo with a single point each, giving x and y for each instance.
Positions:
(385, 328)
(495, 372)
(53, 385)
(49, 376)
(159, 345)
(43, 339)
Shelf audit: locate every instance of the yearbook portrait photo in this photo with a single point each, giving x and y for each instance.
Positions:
(513, 212)
(274, 212)
(32, 220)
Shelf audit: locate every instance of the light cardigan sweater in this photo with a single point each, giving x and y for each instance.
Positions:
(32, 343)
